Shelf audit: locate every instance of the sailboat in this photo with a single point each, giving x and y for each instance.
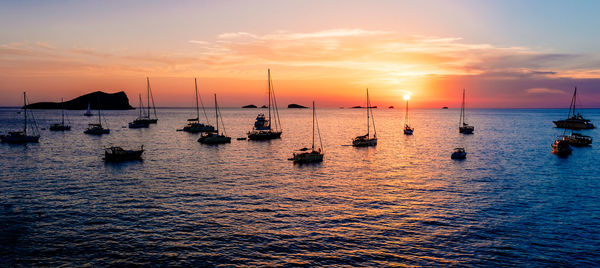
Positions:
(97, 129)
(407, 129)
(194, 125)
(218, 137)
(463, 127)
(574, 120)
(367, 140)
(140, 122)
(89, 111)
(311, 155)
(21, 136)
(61, 126)
(263, 128)
(146, 118)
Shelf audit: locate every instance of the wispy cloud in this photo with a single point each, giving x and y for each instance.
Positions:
(541, 90)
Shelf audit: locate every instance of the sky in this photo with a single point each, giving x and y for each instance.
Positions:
(506, 54)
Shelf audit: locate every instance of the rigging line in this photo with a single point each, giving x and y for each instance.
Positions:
(153, 105)
(275, 102)
(203, 109)
(37, 131)
(222, 122)
(319, 132)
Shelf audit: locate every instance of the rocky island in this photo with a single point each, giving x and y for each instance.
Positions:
(96, 100)
(250, 106)
(296, 106)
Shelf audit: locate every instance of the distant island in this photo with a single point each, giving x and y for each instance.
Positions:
(445, 107)
(96, 100)
(356, 107)
(250, 106)
(264, 106)
(296, 106)
(391, 107)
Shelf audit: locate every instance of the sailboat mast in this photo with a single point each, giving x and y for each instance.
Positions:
(216, 114)
(269, 81)
(62, 102)
(197, 110)
(313, 133)
(148, 93)
(368, 119)
(25, 108)
(462, 110)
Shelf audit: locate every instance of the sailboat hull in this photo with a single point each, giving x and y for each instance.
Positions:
(214, 139)
(59, 127)
(264, 135)
(308, 157)
(19, 139)
(466, 130)
(364, 142)
(574, 124)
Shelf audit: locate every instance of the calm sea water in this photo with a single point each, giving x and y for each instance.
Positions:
(405, 202)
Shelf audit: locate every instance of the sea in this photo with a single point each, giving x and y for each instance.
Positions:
(511, 202)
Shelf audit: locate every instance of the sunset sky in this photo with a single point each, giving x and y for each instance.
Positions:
(505, 53)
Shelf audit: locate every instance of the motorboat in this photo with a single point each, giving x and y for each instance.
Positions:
(115, 154)
(577, 139)
(459, 153)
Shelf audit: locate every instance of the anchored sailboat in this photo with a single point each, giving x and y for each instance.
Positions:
(367, 140)
(21, 136)
(194, 125)
(140, 122)
(61, 126)
(263, 128)
(97, 129)
(407, 129)
(89, 111)
(218, 137)
(463, 127)
(574, 120)
(145, 117)
(311, 155)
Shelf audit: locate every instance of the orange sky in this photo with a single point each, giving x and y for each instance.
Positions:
(332, 65)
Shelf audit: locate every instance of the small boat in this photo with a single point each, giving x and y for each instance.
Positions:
(463, 127)
(97, 129)
(263, 128)
(577, 139)
(140, 122)
(459, 153)
(89, 111)
(61, 126)
(194, 125)
(306, 155)
(574, 120)
(217, 137)
(407, 129)
(561, 147)
(367, 140)
(21, 136)
(445, 108)
(115, 154)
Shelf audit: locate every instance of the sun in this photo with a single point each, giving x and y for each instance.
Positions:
(406, 97)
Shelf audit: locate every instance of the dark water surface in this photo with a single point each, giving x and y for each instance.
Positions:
(405, 202)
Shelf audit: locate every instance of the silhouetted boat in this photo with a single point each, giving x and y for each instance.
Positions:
(367, 140)
(194, 125)
(306, 155)
(576, 139)
(140, 122)
(561, 147)
(21, 136)
(89, 111)
(145, 117)
(459, 153)
(463, 127)
(574, 120)
(445, 108)
(215, 138)
(119, 154)
(407, 129)
(61, 126)
(97, 129)
(263, 129)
